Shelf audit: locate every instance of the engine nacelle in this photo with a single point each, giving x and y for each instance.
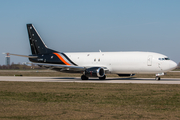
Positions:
(94, 72)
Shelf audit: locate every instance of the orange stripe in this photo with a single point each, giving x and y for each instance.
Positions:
(61, 59)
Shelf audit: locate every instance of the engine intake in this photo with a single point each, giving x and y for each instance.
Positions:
(94, 72)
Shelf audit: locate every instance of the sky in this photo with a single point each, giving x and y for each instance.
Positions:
(91, 25)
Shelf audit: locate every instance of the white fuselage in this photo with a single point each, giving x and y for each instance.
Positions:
(125, 62)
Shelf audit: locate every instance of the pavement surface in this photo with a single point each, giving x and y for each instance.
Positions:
(91, 80)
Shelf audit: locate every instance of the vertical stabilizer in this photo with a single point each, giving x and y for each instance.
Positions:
(36, 43)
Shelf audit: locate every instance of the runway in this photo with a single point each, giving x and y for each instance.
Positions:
(93, 80)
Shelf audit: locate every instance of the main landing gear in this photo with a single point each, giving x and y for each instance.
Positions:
(102, 78)
(83, 77)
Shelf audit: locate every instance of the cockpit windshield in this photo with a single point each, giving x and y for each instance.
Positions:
(167, 59)
(164, 58)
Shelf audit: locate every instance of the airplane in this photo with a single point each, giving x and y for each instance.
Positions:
(97, 64)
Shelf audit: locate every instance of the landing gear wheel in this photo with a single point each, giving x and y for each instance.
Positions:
(158, 78)
(102, 78)
(83, 77)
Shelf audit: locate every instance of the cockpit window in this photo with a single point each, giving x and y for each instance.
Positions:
(163, 58)
(167, 59)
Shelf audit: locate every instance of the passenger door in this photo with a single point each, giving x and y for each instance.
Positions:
(149, 60)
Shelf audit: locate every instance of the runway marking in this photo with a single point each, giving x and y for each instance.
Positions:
(93, 80)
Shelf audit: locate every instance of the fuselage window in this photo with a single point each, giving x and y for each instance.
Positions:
(160, 59)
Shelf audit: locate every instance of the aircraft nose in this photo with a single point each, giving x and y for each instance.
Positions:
(172, 65)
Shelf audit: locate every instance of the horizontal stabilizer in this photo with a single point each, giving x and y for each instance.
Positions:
(28, 56)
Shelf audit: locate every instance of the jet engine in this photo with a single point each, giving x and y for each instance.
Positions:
(94, 72)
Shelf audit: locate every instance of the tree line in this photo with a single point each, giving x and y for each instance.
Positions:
(19, 67)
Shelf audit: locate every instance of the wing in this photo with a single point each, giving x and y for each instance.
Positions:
(62, 68)
(67, 68)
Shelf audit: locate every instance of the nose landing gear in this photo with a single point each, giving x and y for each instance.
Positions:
(158, 76)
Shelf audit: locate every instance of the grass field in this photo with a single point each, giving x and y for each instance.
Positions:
(90, 101)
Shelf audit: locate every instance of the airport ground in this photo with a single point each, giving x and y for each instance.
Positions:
(91, 101)
(51, 73)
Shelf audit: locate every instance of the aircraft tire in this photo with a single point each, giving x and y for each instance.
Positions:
(102, 78)
(158, 78)
(83, 77)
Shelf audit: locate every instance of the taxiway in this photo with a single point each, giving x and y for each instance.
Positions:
(93, 80)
